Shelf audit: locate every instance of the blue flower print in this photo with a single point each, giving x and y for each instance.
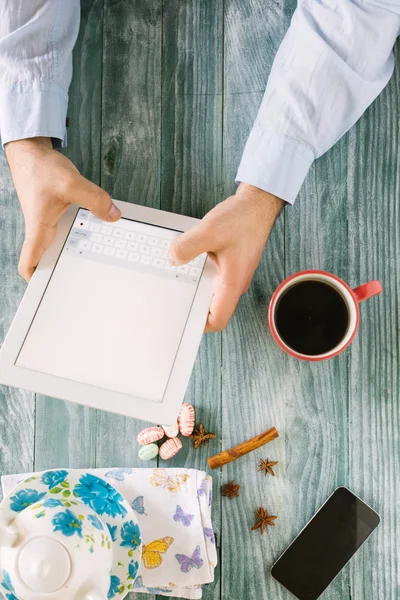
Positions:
(114, 586)
(133, 568)
(25, 498)
(67, 523)
(95, 521)
(7, 585)
(130, 534)
(54, 478)
(112, 530)
(52, 503)
(100, 496)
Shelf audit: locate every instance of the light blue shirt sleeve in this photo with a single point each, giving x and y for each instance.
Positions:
(36, 42)
(334, 61)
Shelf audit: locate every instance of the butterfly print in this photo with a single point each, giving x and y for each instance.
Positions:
(208, 532)
(173, 483)
(153, 590)
(151, 553)
(188, 562)
(181, 516)
(202, 489)
(138, 505)
(119, 474)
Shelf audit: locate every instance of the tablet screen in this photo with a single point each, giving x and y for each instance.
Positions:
(114, 310)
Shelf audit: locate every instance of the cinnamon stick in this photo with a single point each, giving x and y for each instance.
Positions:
(228, 456)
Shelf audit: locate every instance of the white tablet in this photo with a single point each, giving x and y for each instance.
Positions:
(106, 321)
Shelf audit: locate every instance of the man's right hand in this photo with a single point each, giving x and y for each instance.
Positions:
(47, 183)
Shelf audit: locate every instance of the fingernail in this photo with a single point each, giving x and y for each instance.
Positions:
(114, 212)
(171, 259)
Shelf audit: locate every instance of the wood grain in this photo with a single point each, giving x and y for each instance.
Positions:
(131, 115)
(227, 456)
(163, 98)
(254, 384)
(190, 184)
(66, 433)
(17, 407)
(317, 407)
(374, 376)
(130, 149)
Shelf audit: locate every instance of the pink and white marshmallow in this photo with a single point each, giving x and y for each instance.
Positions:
(186, 419)
(169, 448)
(150, 435)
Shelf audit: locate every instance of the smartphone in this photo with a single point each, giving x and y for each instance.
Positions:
(325, 545)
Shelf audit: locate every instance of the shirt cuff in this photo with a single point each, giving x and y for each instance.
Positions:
(275, 163)
(33, 109)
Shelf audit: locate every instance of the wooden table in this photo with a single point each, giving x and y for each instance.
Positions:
(163, 98)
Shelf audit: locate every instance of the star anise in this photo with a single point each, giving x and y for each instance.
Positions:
(266, 466)
(263, 519)
(231, 489)
(200, 438)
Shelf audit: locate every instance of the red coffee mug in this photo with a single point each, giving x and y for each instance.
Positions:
(351, 297)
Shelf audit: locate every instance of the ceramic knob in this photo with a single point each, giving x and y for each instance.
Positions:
(8, 536)
(95, 595)
(8, 532)
(44, 565)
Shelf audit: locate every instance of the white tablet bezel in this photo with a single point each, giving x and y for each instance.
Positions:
(159, 412)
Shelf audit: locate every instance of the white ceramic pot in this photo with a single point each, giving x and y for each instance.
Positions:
(65, 536)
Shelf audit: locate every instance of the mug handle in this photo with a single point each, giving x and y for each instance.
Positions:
(367, 290)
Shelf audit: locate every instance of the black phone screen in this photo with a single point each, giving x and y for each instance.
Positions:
(325, 545)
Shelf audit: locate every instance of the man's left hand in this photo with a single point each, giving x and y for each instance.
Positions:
(233, 234)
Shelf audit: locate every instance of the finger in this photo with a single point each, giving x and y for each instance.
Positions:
(36, 243)
(91, 196)
(223, 305)
(190, 244)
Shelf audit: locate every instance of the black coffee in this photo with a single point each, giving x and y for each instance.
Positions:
(311, 317)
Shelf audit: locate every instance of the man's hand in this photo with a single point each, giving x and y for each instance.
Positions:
(234, 234)
(47, 183)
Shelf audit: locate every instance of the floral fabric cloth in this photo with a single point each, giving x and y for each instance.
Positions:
(173, 508)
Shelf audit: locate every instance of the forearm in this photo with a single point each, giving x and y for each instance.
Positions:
(15, 148)
(265, 204)
(36, 42)
(332, 64)
(23, 155)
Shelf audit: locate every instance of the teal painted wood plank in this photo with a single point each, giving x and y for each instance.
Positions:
(255, 384)
(254, 388)
(131, 145)
(374, 248)
(66, 433)
(317, 417)
(131, 134)
(253, 33)
(17, 407)
(190, 184)
(316, 407)
(131, 122)
(338, 421)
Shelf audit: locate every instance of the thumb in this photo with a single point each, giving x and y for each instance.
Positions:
(189, 245)
(91, 196)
